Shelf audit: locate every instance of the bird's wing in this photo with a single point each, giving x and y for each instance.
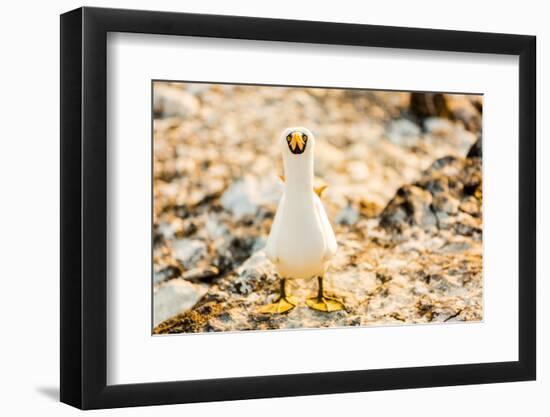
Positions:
(328, 233)
(319, 190)
(271, 245)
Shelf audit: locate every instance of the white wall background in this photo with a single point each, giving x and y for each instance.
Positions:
(29, 225)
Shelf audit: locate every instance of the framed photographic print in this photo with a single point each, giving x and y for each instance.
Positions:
(257, 207)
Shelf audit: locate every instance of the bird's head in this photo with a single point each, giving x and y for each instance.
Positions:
(296, 140)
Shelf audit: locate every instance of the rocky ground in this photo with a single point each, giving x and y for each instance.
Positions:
(404, 196)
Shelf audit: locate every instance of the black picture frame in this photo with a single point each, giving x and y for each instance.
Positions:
(84, 207)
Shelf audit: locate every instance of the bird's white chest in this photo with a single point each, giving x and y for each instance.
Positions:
(300, 242)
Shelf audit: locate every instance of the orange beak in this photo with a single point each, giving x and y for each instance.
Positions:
(297, 141)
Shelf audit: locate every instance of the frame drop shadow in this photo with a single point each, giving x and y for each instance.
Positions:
(51, 392)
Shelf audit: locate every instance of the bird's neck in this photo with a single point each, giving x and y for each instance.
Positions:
(299, 173)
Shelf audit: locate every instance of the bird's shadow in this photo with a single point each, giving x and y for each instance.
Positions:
(50, 392)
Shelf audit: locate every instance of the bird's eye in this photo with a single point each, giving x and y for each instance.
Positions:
(288, 138)
(304, 137)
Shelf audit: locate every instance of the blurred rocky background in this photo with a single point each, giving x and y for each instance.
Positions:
(404, 196)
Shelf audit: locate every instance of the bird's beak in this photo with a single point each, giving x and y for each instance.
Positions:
(297, 141)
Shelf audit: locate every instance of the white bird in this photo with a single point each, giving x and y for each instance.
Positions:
(301, 240)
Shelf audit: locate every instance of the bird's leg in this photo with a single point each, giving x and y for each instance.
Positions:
(282, 304)
(282, 289)
(324, 303)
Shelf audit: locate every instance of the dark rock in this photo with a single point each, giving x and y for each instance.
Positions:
(476, 149)
(464, 108)
(411, 206)
(167, 273)
(445, 203)
(425, 105)
(447, 196)
(241, 248)
(204, 273)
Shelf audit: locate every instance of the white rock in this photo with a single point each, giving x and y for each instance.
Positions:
(456, 247)
(434, 243)
(358, 170)
(256, 266)
(259, 243)
(465, 140)
(348, 216)
(214, 228)
(392, 264)
(453, 134)
(197, 88)
(245, 196)
(189, 251)
(167, 229)
(257, 259)
(175, 297)
(174, 102)
(326, 156)
(439, 126)
(403, 132)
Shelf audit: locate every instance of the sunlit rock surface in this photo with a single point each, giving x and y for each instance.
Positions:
(404, 195)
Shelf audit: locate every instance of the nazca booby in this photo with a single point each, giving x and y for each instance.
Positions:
(301, 240)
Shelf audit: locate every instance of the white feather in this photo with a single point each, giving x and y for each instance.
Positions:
(328, 233)
(301, 240)
(271, 246)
